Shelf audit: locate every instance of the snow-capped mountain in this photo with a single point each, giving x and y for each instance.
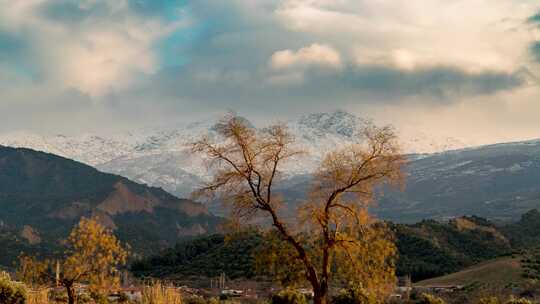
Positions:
(161, 157)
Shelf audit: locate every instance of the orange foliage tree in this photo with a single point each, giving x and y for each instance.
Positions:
(331, 237)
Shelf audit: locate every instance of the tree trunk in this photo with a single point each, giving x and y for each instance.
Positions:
(320, 296)
(71, 293)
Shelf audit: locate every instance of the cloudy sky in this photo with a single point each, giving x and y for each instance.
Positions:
(465, 68)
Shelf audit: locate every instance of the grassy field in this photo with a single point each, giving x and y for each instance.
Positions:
(495, 273)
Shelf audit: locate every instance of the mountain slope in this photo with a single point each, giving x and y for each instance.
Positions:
(43, 195)
(161, 156)
(494, 274)
(498, 181)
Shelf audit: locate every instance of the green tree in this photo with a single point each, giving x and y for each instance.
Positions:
(531, 264)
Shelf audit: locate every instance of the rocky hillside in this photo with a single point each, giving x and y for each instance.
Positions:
(43, 195)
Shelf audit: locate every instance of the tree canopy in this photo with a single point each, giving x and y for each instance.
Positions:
(331, 231)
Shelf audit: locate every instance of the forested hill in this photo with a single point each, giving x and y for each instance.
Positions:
(426, 249)
(43, 195)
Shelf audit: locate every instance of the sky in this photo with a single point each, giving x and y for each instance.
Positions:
(463, 68)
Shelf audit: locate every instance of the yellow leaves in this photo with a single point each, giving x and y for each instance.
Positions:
(332, 234)
(31, 270)
(93, 254)
(246, 165)
(368, 259)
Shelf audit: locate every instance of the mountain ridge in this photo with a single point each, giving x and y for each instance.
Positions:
(441, 185)
(161, 156)
(43, 195)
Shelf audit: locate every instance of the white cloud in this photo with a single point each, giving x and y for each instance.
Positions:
(98, 54)
(313, 55)
(474, 35)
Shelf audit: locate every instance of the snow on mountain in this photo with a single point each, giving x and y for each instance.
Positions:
(161, 156)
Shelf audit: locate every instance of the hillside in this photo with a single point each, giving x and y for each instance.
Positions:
(493, 274)
(498, 182)
(208, 256)
(426, 249)
(429, 248)
(43, 195)
(525, 233)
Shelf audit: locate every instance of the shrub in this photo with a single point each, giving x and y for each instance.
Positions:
(518, 301)
(85, 298)
(160, 294)
(430, 299)
(123, 298)
(489, 300)
(11, 292)
(354, 296)
(40, 296)
(213, 301)
(57, 296)
(289, 296)
(195, 300)
(223, 297)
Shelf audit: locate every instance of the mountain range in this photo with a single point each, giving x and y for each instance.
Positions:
(161, 157)
(446, 177)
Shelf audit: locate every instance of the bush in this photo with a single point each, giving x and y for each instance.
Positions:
(195, 300)
(430, 299)
(157, 293)
(518, 301)
(213, 301)
(490, 300)
(11, 292)
(354, 296)
(84, 298)
(289, 296)
(123, 298)
(38, 296)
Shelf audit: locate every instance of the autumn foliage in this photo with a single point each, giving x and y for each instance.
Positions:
(331, 238)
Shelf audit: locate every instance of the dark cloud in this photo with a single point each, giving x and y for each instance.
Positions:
(441, 83)
(11, 46)
(534, 18)
(156, 8)
(71, 12)
(535, 50)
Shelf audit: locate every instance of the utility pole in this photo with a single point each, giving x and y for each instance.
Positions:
(57, 273)
(222, 280)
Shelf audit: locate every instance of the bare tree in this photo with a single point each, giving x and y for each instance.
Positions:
(329, 227)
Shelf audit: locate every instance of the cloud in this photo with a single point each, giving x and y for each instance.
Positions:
(92, 46)
(534, 18)
(131, 62)
(313, 55)
(473, 35)
(535, 50)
